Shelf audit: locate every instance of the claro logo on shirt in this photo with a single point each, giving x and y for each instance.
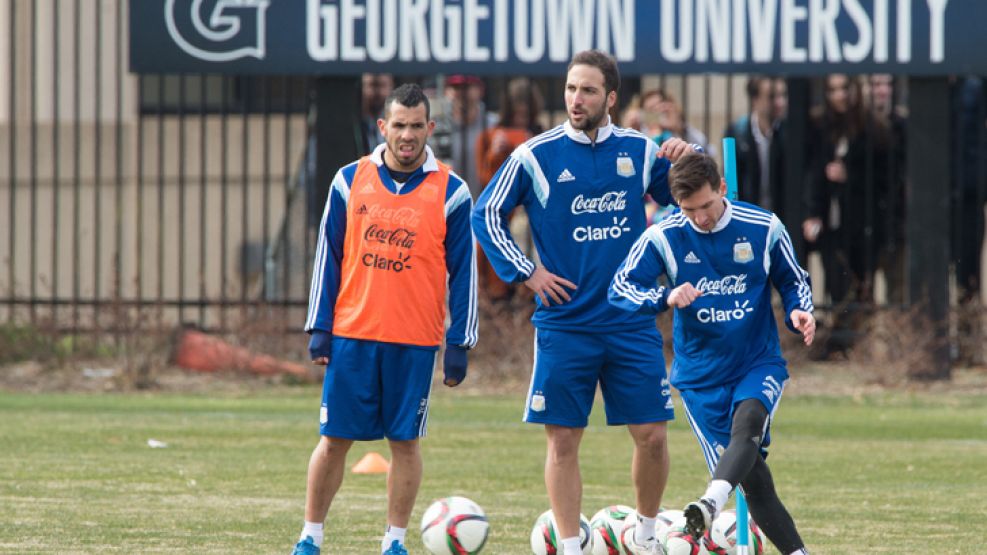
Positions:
(396, 264)
(738, 312)
(585, 233)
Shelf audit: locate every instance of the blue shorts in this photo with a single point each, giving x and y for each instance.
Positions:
(374, 390)
(629, 366)
(710, 410)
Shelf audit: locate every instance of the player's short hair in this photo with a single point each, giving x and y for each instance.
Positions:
(408, 95)
(601, 61)
(691, 173)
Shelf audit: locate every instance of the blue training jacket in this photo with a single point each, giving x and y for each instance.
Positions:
(459, 249)
(730, 328)
(585, 205)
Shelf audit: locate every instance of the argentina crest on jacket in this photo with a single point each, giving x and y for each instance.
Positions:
(743, 252)
(625, 166)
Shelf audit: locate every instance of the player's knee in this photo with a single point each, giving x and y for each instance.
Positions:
(652, 438)
(749, 420)
(404, 449)
(563, 446)
(332, 447)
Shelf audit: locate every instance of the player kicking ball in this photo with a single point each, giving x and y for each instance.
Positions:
(720, 259)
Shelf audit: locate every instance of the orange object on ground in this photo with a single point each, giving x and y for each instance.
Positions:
(371, 463)
(201, 352)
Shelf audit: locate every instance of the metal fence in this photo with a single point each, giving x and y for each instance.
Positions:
(184, 198)
(122, 193)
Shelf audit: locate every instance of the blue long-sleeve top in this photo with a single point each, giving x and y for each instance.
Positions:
(730, 327)
(459, 243)
(585, 204)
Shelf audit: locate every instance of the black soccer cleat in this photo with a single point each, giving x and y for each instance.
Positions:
(699, 517)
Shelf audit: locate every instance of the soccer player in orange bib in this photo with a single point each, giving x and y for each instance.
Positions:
(395, 226)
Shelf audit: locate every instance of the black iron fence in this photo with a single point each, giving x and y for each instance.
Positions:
(187, 196)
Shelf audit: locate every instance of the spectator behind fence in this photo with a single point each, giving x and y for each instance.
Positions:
(671, 121)
(778, 158)
(891, 206)
(848, 161)
(462, 119)
(374, 91)
(753, 133)
(970, 183)
(520, 109)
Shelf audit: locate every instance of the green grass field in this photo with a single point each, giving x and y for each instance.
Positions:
(895, 473)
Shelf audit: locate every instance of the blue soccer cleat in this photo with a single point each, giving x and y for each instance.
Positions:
(306, 547)
(395, 549)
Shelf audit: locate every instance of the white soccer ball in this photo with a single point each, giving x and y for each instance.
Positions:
(665, 520)
(679, 542)
(453, 526)
(721, 538)
(545, 538)
(607, 525)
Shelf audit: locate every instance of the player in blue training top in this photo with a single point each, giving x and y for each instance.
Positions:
(721, 258)
(583, 185)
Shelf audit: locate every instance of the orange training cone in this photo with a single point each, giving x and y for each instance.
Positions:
(371, 463)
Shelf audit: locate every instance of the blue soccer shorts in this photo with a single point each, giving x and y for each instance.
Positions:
(629, 366)
(710, 410)
(374, 390)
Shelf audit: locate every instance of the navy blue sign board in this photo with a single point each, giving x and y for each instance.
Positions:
(538, 37)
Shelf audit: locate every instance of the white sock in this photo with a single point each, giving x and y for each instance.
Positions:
(570, 546)
(799, 552)
(313, 530)
(390, 534)
(645, 529)
(718, 492)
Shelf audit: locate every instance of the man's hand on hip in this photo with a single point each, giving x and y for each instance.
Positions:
(547, 286)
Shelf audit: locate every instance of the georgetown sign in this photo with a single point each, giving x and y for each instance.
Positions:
(930, 37)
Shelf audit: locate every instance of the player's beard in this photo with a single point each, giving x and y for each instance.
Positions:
(590, 121)
(417, 150)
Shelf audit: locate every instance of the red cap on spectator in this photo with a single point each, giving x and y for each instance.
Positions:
(460, 79)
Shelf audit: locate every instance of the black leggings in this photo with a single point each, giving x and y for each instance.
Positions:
(742, 463)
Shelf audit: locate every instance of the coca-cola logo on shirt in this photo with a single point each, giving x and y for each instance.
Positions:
(614, 201)
(400, 217)
(399, 237)
(727, 285)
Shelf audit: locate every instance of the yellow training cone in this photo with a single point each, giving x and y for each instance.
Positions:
(371, 463)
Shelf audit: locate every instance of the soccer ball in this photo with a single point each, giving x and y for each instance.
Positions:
(545, 538)
(607, 525)
(721, 538)
(454, 526)
(679, 542)
(665, 520)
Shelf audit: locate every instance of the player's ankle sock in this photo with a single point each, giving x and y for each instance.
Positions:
(390, 534)
(313, 530)
(645, 529)
(799, 552)
(570, 546)
(718, 492)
